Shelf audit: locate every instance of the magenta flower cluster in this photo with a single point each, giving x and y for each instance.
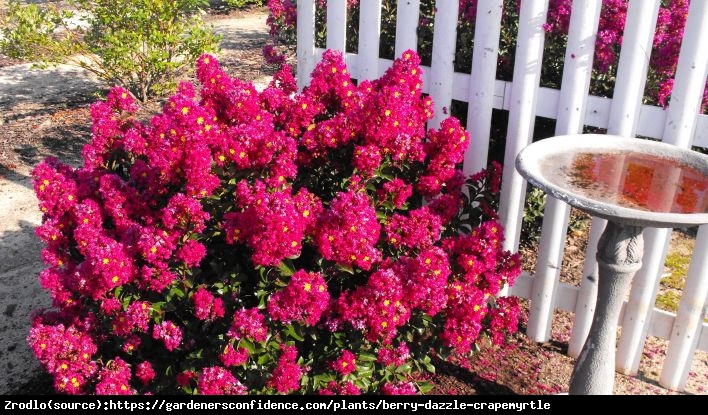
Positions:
(666, 45)
(269, 242)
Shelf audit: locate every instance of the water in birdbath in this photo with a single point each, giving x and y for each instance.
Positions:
(634, 180)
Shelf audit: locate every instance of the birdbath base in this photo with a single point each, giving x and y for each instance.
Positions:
(632, 183)
(619, 257)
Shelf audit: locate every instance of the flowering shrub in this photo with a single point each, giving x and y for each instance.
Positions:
(666, 45)
(269, 242)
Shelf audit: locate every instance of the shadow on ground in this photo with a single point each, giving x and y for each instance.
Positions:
(6, 173)
(62, 134)
(30, 92)
(480, 385)
(20, 296)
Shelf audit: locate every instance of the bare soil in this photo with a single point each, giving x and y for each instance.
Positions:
(55, 122)
(646, 380)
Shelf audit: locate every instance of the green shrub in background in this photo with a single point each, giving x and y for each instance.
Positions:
(533, 215)
(239, 4)
(142, 45)
(532, 220)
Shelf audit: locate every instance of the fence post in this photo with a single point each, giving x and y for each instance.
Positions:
(624, 113)
(577, 70)
(481, 92)
(522, 115)
(369, 32)
(305, 41)
(684, 106)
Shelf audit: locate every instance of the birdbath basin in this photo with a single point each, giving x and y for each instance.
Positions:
(633, 184)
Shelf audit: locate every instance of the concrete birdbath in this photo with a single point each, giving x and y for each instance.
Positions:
(633, 184)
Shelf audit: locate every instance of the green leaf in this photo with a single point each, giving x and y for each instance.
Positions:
(290, 330)
(404, 368)
(248, 345)
(425, 387)
(175, 292)
(157, 306)
(168, 307)
(321, 380)
(339, 342)
(286, 268)
(344, 268)
(197, 354)
(263, 359)
(125, 301)
(366, 357)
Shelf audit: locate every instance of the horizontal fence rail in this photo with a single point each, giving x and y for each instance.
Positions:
(680, 124)
(566, 299)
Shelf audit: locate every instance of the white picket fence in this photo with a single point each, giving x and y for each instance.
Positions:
(572, 107)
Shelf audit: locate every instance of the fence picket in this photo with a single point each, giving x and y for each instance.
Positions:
(442, 67)
(685, 102)
(407, 15)
(337, 24)
(305, 41)
(481, 84)
(686, 331)
(369, 32)
(623, 118)
(522, 114)
(571, 114)
(646, 280)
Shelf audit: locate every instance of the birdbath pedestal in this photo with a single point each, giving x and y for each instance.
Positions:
(633, 184)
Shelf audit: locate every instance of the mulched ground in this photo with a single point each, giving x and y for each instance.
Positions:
(61, 129)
